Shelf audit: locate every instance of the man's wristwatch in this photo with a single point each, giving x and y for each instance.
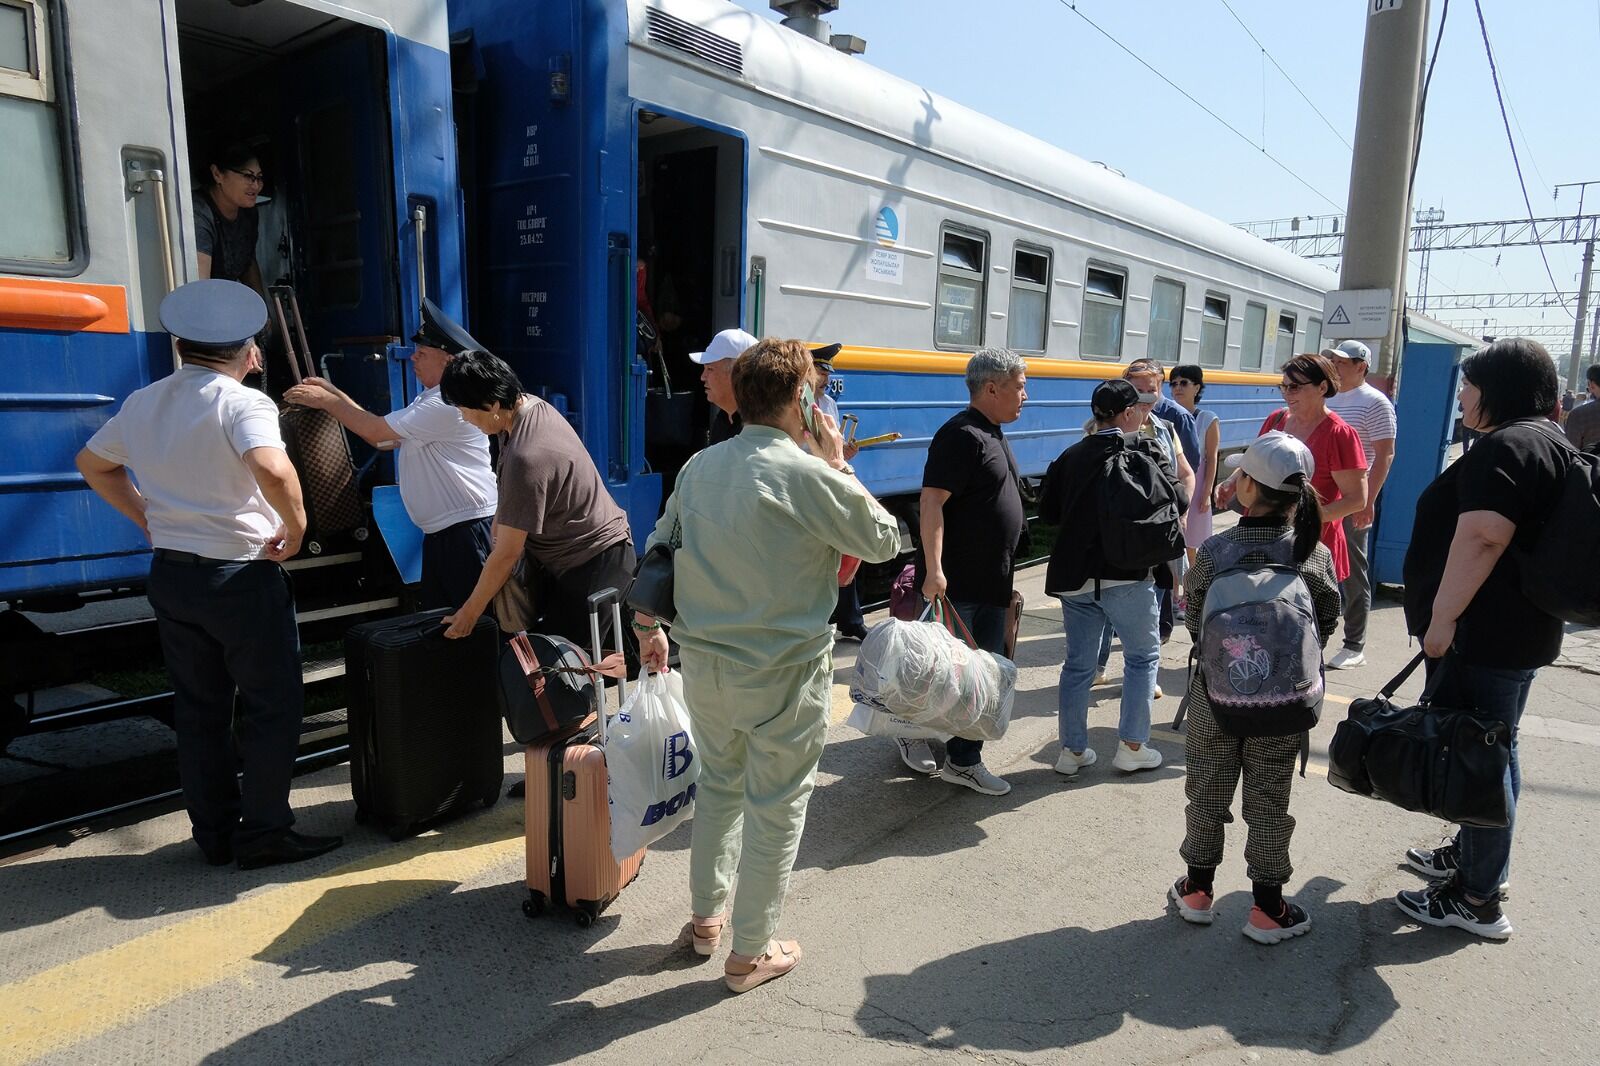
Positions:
(846, 468)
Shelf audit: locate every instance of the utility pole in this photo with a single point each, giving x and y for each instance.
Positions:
(1579, 317)
(1378, 224)
(1594, 339)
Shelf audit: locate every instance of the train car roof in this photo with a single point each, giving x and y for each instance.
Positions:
(790, 65)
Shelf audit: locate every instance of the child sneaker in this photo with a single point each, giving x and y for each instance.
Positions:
(1194, 905)
(1265, 929)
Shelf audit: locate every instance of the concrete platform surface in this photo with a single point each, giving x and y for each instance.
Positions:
(936, 922)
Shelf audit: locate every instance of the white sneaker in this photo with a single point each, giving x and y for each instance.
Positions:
(1128, 760)
(1069, 764)
(976, 777)
(917, 755)
(1347, 659)
(1157, 694)
(1100, 678)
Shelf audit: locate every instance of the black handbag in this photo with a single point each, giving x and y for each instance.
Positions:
(1449, 764)
(546, 686)
(650, 591)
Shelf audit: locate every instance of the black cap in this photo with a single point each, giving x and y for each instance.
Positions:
(823, 356)
(213, 312)
(439, 330)
(1113, 397)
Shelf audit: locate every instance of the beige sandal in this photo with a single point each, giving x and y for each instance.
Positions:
(703, 934)
(781, 957)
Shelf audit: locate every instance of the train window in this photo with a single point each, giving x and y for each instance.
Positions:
(1285, 347)
(1104, 303)
(1313, 334)
(1214, 331)
(958, 319)
(1166, 321)
(1030, 300)
(1255, 335)
(34, 218)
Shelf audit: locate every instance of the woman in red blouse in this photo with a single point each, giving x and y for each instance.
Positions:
(1341, 464)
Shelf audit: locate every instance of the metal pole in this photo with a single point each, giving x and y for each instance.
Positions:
(1378, 225)
(1579, 318)
(1594, 337)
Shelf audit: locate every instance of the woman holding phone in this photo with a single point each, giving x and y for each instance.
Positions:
(757, 526)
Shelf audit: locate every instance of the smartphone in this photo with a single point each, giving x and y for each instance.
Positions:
(808, 408)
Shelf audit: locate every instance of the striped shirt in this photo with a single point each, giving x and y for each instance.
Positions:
(1369, 413)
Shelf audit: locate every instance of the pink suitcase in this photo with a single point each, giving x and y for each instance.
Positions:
(569, 811)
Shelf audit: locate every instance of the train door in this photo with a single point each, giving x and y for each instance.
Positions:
(691, 203)
(306, 95)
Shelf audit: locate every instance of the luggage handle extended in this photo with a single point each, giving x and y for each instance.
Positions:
(297, 344)
(596, 601)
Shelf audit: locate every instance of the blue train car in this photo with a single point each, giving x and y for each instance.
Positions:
(699, 167)
(112, 118)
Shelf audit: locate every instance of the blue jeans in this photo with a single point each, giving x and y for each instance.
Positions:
(988, 626)
(1501, 696)
(1134, 612)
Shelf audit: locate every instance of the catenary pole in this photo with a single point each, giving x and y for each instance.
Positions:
(1378, 223)
(1579, 319)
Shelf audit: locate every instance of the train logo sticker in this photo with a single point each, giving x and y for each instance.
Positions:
(885, 264)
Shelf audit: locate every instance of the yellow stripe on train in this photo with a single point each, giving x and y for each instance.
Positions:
(915, 361)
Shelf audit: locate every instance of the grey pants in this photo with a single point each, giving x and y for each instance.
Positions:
(1357, 588)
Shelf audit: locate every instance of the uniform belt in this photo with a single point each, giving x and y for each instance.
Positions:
(170, 555)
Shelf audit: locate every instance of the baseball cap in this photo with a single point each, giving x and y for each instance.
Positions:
(729, 344)
(1273, 459)
(1349, 350)
(1111, 398)
(213, 312)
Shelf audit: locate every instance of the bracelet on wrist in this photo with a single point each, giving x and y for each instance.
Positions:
(651, 628)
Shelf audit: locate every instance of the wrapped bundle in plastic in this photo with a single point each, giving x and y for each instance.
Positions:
(920, 672)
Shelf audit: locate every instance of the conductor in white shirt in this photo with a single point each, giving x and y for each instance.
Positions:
(196, 461)
(446, 483)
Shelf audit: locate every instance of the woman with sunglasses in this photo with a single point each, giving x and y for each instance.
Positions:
(1341, 465)
(225, 217)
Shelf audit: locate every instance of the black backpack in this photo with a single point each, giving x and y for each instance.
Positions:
(1137, 505)
(1561, 572)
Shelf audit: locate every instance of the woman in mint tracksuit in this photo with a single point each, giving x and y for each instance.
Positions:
(1274, 486)
(758, 526)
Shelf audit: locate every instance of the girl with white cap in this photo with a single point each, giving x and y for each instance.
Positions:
(1273, 485)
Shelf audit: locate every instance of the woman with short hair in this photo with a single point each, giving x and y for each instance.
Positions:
(757, 526)
(1188, 383)
(1464, 598)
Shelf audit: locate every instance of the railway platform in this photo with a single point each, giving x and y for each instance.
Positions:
(936, 922)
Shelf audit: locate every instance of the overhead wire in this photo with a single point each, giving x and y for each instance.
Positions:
(1527, 202)
(1286, 77)
(1071, 5)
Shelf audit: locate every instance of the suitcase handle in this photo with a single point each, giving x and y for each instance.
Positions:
(596, 601)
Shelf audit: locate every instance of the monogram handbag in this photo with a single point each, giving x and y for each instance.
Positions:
(650, 592)
(1449, 764)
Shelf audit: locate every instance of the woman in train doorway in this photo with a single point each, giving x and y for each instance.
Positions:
(225, 217)
(758, 527)
(1341, 464)
(1188, 385)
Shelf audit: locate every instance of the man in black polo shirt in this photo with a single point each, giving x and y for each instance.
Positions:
(972, 529)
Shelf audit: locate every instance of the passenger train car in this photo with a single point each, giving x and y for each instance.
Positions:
(109, 112)
(718, 169)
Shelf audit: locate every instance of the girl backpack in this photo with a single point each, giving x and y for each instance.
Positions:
(1259, 656)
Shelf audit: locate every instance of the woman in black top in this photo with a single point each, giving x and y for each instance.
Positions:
(225, 217)
(1463, 596)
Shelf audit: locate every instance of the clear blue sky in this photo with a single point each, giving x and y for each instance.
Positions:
(1035, 65)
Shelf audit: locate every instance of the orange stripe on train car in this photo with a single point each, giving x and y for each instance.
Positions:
(915, 361)
(28, 303)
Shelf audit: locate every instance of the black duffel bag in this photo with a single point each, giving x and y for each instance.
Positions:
(546, 686)
(1449, 764)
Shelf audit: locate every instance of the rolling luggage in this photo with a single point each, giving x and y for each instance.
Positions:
(424, 720)
(569, 808)
(316, 443)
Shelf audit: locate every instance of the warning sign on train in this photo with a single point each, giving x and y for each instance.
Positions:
(1357, 313)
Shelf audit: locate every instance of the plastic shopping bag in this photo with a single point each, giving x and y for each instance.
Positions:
(877, 722)
(921, 672)
(651, 762)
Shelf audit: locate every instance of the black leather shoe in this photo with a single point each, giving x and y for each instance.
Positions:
(218, 854)
(855, 633)
(287, 846)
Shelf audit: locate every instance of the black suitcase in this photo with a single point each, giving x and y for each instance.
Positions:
(316, 443)
(425, 737)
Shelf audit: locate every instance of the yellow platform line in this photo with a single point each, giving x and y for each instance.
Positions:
(101, 991)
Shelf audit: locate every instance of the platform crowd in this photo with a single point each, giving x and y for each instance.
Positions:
(758, 521)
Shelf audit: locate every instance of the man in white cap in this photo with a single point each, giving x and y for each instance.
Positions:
(221, 504)
(716, 374)
(1371, 415)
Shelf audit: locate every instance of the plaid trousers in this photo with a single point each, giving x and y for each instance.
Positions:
(1215, 762)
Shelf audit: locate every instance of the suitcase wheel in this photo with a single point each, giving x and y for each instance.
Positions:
(361, 816)
(314, 547)
(359, 533)
(400, 832)
(585, 917)
(533, 906)
(491, 798)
